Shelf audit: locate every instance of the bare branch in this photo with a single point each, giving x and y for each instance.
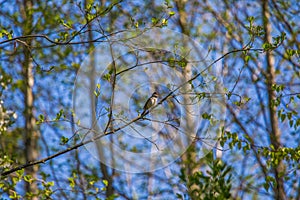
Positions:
(5, 173)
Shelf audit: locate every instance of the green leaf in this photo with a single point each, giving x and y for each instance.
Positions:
(51, 183)
(28, 178)
(64, 140)
(106, 77)
(206, 116)
(41, 118)
(72, 182)
(266, 46)
(247, 99)
(238, 103)
(92, 182)
(164, 22)
(250, 19)
(179, 196)
(291, 123)
(222, 142)
(245, 148)
(15, 180)
(96, 93)
(105, 182)
(136, 24)
(20, 173)
(65, 24)
(289, 115)
(282, 117)
(247, 58)
(171, 13)
(298, 122)
(59, 114)
(13, 195)
(154, 20)
(266, 186)
(290, 52)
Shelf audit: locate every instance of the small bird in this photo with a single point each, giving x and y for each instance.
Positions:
(150, 102)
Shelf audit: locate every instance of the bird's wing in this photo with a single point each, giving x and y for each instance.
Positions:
(147, 102)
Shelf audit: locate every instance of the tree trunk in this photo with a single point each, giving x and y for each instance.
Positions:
(270, 77)
(92, 78)
(31, 133)
(189, 160)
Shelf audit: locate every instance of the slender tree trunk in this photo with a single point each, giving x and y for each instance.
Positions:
(92, 77)
(31, 132)
(270, 77)
(189, 157)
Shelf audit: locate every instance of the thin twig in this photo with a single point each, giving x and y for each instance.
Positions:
(5, 173)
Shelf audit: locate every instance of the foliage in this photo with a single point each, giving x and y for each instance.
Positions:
(255, 49)
(214, 182)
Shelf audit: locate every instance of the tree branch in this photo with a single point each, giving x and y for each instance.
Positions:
(5, 173)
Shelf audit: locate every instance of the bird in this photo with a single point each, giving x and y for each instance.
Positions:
(150, 103)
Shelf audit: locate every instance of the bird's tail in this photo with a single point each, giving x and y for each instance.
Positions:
(144, 111)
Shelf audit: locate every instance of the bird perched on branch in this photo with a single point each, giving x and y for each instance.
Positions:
(150, 102)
